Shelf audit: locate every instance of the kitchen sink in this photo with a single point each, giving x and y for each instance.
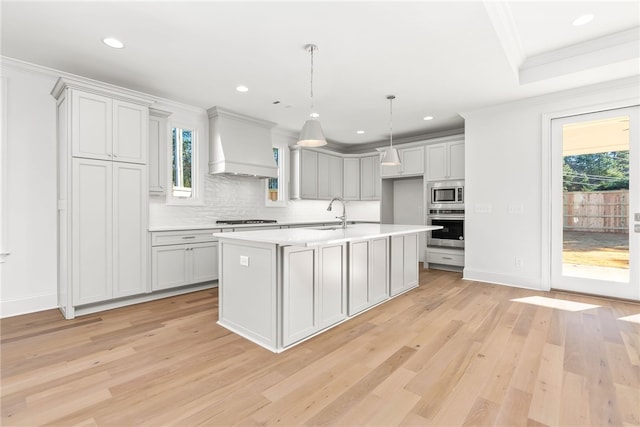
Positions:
(330, 228)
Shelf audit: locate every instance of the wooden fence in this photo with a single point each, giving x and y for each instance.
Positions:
(599, 211)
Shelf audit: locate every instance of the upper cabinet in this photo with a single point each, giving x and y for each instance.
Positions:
(158, 140)
(320, 175)
(104, 128)
(411, 163)
(351, 178)
(445, 161)
(329, 176)
(370, 177)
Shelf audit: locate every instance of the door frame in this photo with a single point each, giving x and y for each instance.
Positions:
(546, 171)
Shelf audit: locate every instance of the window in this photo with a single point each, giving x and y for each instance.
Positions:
(183, 154)
(276, 187)
(181, 162)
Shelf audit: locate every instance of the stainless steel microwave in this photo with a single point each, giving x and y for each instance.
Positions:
(446, 193)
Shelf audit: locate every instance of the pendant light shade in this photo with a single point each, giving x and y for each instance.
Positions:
(390, 157)
(311, 134)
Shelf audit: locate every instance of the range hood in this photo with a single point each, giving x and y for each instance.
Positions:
(240, 145)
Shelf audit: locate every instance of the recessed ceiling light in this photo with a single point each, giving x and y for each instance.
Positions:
(584, 19)
(360, 132)
(428, 118)
(314, 115)
(113, 42)
(242, 88)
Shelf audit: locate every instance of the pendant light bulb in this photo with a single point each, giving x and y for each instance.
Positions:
(390, 157)
(311, 134)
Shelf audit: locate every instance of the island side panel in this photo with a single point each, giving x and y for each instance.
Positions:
(248, 290)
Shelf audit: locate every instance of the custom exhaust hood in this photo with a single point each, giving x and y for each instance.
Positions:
(240, 145)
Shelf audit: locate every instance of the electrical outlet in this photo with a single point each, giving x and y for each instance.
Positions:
(244, 260)
(519, 262)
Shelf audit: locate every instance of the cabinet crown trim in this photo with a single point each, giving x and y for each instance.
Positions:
(100, 89)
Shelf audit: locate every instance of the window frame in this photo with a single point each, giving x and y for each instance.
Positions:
(283, 195)
(196, 197)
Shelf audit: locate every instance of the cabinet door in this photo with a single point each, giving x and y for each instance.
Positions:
(370, 178)
(299, 294)
(170, 266)
(329, 176)
(332, 284)
(308, 174)
(411, 259)
(358, 276)
(456, 160)
(351, 179)
(130, 123)
(379, 273)
(412, 160)
(204, 262)
(157, 126)
(92, 231)
(397, 264)
(129, 229)
(91, 127)
(436, 162)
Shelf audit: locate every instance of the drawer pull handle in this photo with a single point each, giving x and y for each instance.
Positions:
(446, 257)
(189, 237)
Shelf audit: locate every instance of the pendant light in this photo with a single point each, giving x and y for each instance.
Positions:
(390, 157)
(311, 134)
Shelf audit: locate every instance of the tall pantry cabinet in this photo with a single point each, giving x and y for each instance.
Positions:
(102, 195)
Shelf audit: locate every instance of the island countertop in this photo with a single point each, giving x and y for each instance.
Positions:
(325, 235)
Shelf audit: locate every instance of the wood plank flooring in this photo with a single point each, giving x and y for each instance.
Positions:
(450, 353)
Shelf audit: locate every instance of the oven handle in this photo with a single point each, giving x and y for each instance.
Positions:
(440, 217)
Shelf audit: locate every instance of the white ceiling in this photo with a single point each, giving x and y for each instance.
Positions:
(438, 58)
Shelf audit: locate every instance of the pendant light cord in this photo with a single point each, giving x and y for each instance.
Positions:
(311, 48)
(391, 98)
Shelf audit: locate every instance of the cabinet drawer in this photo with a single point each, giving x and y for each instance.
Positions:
(445, 258)
(162, 238)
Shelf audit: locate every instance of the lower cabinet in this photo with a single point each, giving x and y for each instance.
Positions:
(314, 291)
(175, 265)
(404, 263)
(368, 273)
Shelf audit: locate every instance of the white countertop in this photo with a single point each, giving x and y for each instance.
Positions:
(226, 226)
(324, 235)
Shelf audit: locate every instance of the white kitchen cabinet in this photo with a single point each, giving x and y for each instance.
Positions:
(445, 258)
(368, 273)
(445, 161)
(411, 163)
(313, 290)
(351, 178)
(308, 174)
(184, 257)
(370, 178)
(104, 128)
(404, 263)
(109, 230)
(158, 147)
(102, 196)
(330, 171)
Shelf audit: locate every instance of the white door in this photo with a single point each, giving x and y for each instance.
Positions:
(595, 203)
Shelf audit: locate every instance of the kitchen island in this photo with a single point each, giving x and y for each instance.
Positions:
(280, 287)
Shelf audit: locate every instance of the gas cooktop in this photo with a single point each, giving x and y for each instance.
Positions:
(246, 221)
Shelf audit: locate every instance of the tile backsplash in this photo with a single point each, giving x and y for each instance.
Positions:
(229, 197)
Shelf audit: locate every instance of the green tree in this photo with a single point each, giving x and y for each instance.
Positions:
(596, 171)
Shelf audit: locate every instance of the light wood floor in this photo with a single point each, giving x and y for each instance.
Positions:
(450, 353)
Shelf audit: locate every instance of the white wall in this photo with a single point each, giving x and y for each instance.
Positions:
(28, 277)
(505, 165)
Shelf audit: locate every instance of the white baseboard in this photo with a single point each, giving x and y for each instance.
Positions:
(502, 279)
(30, 304)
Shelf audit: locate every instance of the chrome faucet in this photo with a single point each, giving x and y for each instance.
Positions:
(344, 210)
